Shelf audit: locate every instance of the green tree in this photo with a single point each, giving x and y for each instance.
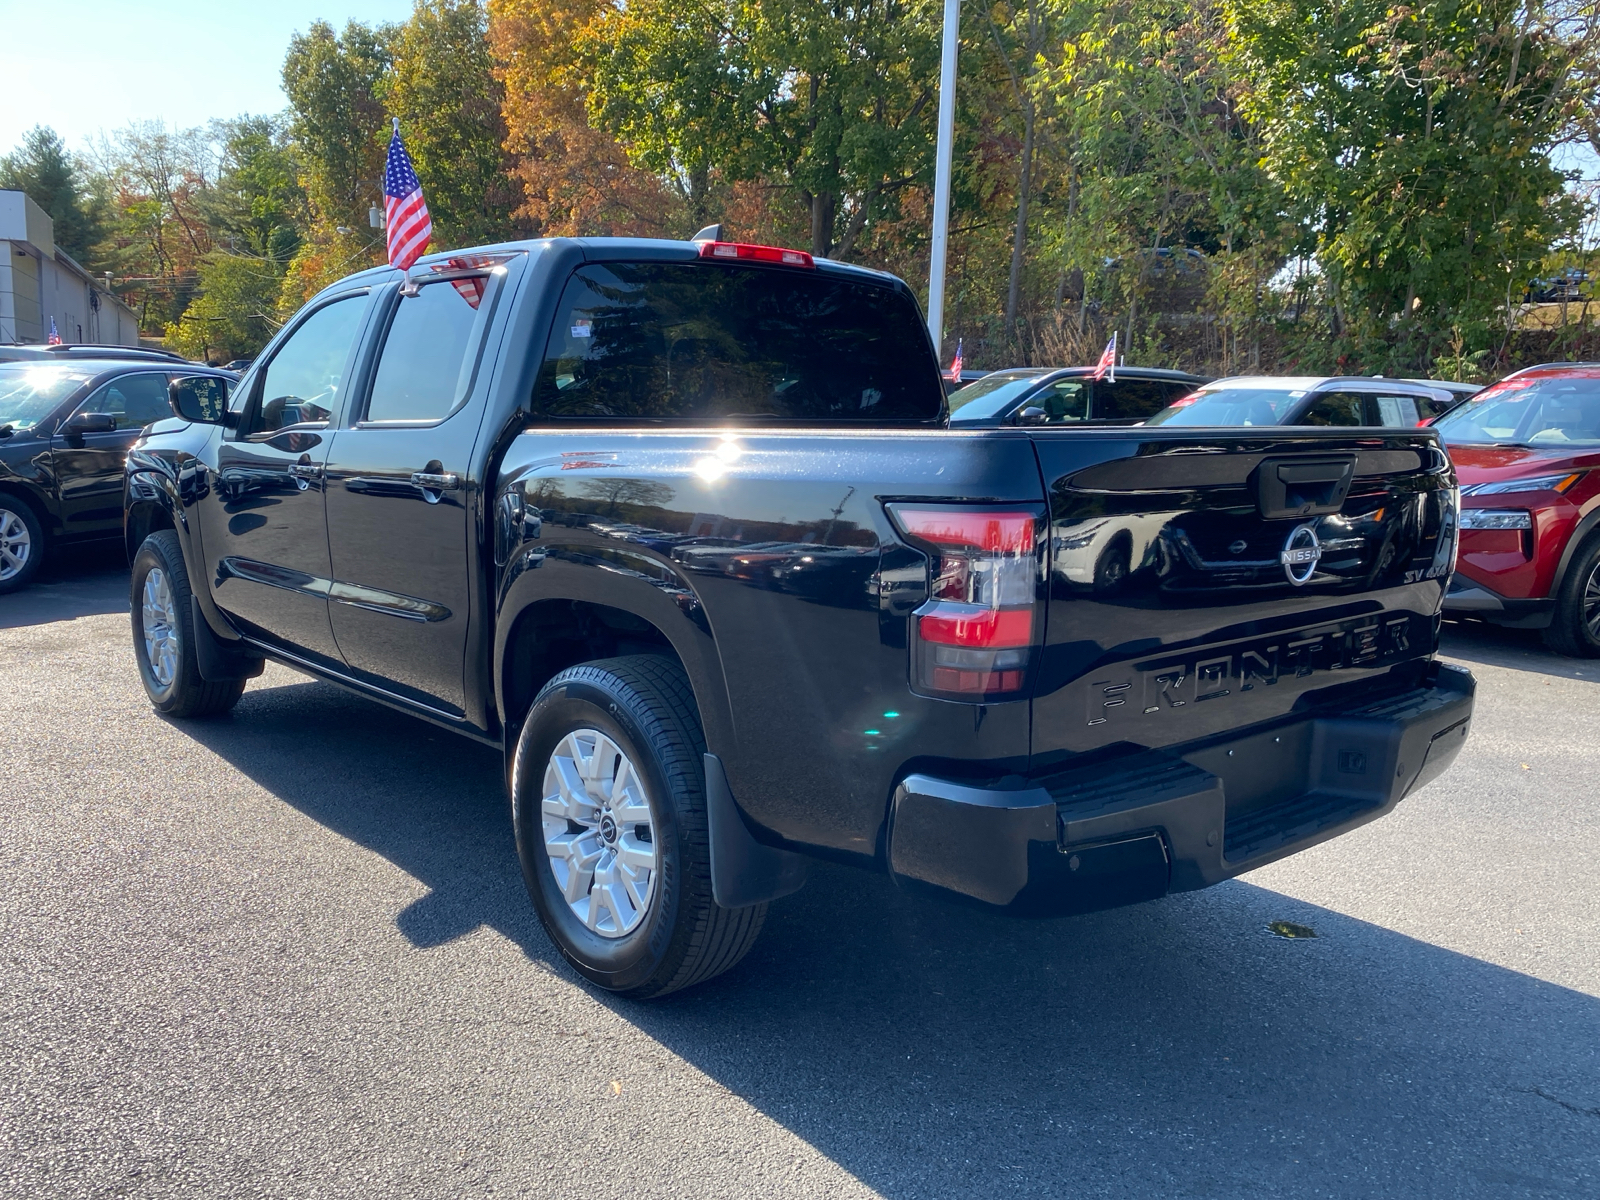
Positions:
(41, 167)
(442, 88)
(833, 103)
(1415, 142)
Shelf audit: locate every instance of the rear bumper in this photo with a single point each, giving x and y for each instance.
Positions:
(1467, 598)
(1137, 827)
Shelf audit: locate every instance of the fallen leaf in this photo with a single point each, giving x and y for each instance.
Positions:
(1288, 929)
(1526, 767)
(616, 1087)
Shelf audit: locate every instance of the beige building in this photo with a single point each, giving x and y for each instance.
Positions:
(39, 281)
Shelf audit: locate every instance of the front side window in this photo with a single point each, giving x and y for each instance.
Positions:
(301, 384)
(1065, 402)
(424, 371)
(134, 400)
(715, 341)
(1548, 410)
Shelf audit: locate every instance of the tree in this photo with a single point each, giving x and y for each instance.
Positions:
(576, 179)
(41, 167)
(833, 103)
(442, 88)
(1415, 142)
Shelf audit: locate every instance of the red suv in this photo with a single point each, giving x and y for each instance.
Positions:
(1527, 454)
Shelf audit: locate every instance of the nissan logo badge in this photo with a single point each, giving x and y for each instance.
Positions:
(1300, 556)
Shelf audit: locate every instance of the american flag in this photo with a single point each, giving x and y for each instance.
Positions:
(405, 211)
(55, 338)
(955, 364)
(1108, 360)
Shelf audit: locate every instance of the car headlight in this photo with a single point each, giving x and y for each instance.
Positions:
(1541, 483)
(1496, 518)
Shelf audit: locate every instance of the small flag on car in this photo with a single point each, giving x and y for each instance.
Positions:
(406, 211)
(1108, 360)
(955, 363)
(55, 338)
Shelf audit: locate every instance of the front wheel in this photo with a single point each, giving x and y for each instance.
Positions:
(1575, 625)
(163, 635)
(609, 809)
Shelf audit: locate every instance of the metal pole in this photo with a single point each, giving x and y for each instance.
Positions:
(941, 174)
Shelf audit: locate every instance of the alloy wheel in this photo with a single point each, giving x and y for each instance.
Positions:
(16, 544)
(599, 833)
(159, 625)
(1591, 603)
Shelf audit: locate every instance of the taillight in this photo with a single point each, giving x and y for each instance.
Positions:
(975, 635)
(753, 253)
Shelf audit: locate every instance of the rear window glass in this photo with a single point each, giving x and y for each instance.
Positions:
(708, 341)
(1229, 406)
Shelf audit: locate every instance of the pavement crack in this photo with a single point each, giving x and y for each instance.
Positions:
(1566, 1104)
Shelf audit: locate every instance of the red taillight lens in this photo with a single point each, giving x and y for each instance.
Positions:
(754, 253)
(976, 632)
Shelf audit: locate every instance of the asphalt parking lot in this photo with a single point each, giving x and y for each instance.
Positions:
(288, 954)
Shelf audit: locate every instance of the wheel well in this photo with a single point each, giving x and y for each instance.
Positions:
(144, 519)
(552, 635)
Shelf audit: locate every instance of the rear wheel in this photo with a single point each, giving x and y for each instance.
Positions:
(1575, 626)
(609, 809)
(21, 544)
(163, 635)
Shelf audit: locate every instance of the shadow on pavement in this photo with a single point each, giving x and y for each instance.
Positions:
(1172, 1049)
(75, 581)
(1516, 649)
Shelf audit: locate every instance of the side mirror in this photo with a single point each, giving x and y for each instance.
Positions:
(1032, 415)
(80, 423)
(202, 399)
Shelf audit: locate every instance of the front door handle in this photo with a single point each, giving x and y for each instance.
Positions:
(436, 481)
(305, 474)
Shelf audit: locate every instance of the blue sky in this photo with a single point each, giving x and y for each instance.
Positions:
(87, 65)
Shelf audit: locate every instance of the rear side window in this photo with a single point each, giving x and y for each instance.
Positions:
(1335, 408)
(423, 374)
(709, 341)
(1128, 399)
(1400, 412)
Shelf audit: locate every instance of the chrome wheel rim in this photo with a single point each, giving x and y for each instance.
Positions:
(1591, 603)
(16, 544)
(158, 624)
(599, 833)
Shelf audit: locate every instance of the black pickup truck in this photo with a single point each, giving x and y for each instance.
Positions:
(683, 529)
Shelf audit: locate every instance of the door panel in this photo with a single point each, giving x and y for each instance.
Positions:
(263, 523)
(398, 496)
(89, 466)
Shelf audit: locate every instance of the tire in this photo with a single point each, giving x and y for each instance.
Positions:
(1112, 567)
(21, 543)
(166, 658)
(636, 932)
(1574, 628)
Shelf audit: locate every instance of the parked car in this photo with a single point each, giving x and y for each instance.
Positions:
(1068, 396)
(1461, 391)
(952, 385)
(1340, 401)
(57, 352)
(896, 669)
(1527, 451)
(1567, 286)
(65, 430)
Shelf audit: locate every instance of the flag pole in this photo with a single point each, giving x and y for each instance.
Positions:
(941, 175)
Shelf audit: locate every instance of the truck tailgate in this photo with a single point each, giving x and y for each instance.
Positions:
(1202, 581)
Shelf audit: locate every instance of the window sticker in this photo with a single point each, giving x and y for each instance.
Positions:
(582, 327)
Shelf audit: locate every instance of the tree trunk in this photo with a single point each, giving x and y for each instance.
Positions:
(824, 205)
(1019, 238)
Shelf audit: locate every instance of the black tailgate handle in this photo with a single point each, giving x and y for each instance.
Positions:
(1300, 487)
